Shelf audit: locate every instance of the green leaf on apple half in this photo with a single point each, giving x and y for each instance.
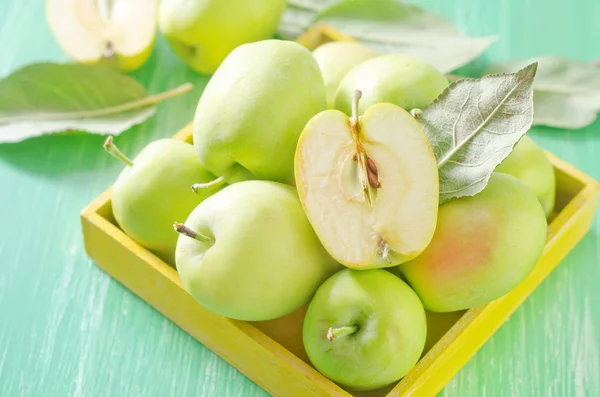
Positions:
(52, 97)
(566, 92)
(473, 126)
(389, 26)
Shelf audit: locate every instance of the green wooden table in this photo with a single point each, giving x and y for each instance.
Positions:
(67, 329)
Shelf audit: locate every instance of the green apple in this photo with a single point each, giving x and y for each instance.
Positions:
(364, 329)
(529, 164)
(253, 110)
(369, 185)
(249, 253)
(204, 32)
(400, 79)
(153, 191)
(116, 32)
(335, 59)
(483, 247)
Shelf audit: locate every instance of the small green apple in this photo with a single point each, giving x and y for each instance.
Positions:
(153, 191)
(335, 59)
(253, 110)
(400, 79)
(249, 253)
(529, 164)
(364, 329)
(483, 247)
(369, 185)
(204, 32)
(113, 32)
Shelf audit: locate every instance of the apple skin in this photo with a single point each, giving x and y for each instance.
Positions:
(335, 59)
(391, 335)
(483, 247)
(204, 32)
(254, 109)
(266, 261)
(400, 79)
(529, 164)
(156, 191)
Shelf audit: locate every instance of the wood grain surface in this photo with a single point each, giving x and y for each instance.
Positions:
(67, 329)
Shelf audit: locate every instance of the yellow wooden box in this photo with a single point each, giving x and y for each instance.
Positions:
(271, 353)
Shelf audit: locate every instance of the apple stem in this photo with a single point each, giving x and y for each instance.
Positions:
(356, 95)
(186, 231)
(333, 333)
(111, 148)
(416, 113)
(220, 181)
(109, 51)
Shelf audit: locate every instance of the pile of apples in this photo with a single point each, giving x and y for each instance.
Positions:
(310, 181)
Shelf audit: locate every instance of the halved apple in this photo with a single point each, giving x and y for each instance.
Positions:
(92, 31)
(369, 185)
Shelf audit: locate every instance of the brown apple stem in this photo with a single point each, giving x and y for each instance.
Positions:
(333, 333)
(416, 113)
(111, 148)
(186, 231)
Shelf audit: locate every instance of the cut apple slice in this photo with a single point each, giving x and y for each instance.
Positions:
(369, 185)
(91, 31)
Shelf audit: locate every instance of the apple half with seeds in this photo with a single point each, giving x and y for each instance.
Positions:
(369, 185)
(119, 32)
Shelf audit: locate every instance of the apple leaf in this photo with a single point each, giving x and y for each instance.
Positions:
(52, 97)
(566, 92)
(299, 16)
(389, 26)
(474, 124)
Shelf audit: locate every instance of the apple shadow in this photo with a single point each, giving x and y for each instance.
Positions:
(54, 155)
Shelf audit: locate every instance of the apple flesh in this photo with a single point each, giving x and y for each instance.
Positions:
(364, 329)
(335, 59)
(529, 164)
(400, 79)
(483, 247)
(249, 253)
(369, 186)
(113, 32)
(153, 191)
(253, 110)
(204, 32)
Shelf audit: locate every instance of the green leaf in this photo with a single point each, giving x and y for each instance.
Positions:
(474, 124)
(390, 26)
(566, 91)
(299, 16)
(50, 97)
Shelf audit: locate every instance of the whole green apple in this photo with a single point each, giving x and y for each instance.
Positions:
(253, 110)
(153, 191)
(364, 329)
(483, 247)
(529, 164)
(204, 32)
(249, 253)
(403, 80)
(335, 59)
